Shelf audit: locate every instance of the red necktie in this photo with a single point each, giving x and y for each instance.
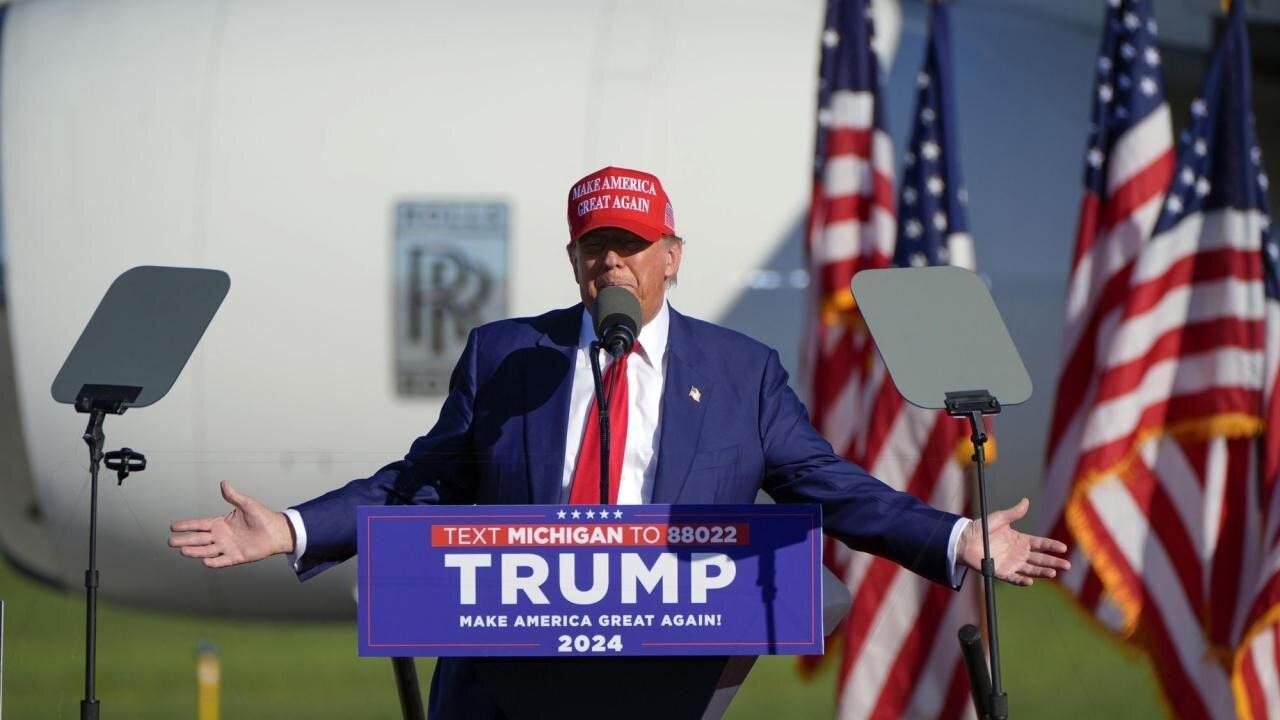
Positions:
(586, 474)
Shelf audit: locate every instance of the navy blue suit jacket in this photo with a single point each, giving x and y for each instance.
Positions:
(500, 439)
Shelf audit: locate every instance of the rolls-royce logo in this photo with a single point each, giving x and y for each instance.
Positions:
(446, 294)
(451, 275)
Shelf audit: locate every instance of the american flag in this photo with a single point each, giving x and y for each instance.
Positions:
(1172, 495)
(1128, 164)
(900, 655)
(851, 218)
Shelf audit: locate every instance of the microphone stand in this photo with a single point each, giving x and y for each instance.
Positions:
(602, 405)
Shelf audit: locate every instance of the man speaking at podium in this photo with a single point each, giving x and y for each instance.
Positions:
(705, 415)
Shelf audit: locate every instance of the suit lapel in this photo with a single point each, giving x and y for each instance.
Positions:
(544, 425)
(685, 395)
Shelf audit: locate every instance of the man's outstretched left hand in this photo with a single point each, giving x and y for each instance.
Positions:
(1019, 557)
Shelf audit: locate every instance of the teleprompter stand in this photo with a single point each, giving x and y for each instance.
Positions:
(989, 697)
(129, 355)
(942, 339)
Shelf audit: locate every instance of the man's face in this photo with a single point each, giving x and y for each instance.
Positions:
(613, 256)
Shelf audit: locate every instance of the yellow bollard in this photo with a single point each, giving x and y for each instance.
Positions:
(208, 682)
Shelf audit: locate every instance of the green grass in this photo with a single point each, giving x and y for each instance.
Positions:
(1056, 665)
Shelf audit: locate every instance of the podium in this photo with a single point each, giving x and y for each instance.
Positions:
(584, 611)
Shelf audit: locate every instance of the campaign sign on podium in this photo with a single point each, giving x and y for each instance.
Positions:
(590, 581)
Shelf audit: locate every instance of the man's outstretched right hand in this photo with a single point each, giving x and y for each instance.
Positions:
(250, 532)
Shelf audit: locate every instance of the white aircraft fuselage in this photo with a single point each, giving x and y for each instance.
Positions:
(282, 143)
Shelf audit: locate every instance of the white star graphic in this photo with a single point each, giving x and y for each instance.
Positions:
(1201, 147)
(918, 259)
(944, 255)
(824, 117)
(591, 514)
(929, 150)
(1151, 56)
(1124, 82)
(1114, 3)
(909, 195)
(935, 186)
(1272, 249)
(830, 38)
(560, 515)
(1255, 154)
(927, 115)
(604, 514)
(913, 228)
(1187, 176)
(1262, 181)
(1105, 93)
(617, 514)
(1152, 27)
(1174, 204)
(1122, 112)
(1128, 52)
(1095, 157)
(940, 220)
(1104, 64)
(963, 196)
(1148, 86)
(922, 80)
(1202, 187)
(1199, 107)
(576, 514)
(1131, 21)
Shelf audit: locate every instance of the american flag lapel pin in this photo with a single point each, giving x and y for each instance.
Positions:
(695, 393)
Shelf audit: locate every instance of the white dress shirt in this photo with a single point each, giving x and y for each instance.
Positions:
(646, 373)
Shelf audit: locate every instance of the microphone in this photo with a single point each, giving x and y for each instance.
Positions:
(617, 316)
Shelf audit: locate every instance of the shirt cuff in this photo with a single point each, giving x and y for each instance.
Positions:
(300, 538)
(957, 571)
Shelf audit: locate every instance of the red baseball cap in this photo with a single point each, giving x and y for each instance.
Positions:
(620, 198)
